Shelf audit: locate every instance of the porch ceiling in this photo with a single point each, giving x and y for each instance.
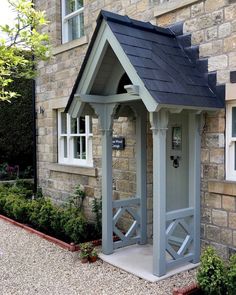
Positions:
(165, 70)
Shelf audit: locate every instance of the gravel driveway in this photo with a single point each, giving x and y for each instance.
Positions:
(31, 265)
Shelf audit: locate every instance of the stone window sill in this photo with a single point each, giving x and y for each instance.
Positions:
(166, 7)
(87, 171)
(70, 45)
(222, 187)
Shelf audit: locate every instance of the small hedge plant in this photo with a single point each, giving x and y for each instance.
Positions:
(214, 276)
(67, 223)
(232, 275)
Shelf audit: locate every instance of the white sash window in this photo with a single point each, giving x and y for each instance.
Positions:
(74, 140)
(72, 20)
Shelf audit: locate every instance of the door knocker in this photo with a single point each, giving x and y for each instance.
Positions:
(175, 160)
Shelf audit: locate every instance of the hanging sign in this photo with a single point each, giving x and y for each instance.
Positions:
(118, 143)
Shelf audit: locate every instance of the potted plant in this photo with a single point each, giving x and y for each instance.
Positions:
(85, 251)
(93, 255)
(84, 257)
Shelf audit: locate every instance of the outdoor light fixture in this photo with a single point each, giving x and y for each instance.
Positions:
(41, 110)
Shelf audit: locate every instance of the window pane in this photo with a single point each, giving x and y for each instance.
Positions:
(76, 27)
(63, 123)
(83, 147)
(74, 125)
(76, 141)
(82, 125)
(73, 5)
(65, 146)
(81, 24)
(234, 122)
(79, 147)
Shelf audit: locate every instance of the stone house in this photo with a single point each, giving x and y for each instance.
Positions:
(131, 109)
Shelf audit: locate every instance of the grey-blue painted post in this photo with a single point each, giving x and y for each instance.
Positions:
(141, 170)
(159, 123)
(107, 225)
(105, 114)
(194, 179)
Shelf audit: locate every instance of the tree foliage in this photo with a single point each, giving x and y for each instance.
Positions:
(19, 42)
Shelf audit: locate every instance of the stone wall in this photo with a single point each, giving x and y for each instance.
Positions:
(212, 25)
(219, 217)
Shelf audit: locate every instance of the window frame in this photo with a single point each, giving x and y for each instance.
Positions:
(65, 21)
(230, 144)
(69, 135)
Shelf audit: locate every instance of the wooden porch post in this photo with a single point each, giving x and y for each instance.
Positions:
(141, 170)
(159, 123)
(105, 114)
(194, 179)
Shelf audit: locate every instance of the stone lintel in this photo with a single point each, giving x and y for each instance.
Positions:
(222, 187)
(166, 7)
(88, 171)
(230, 91)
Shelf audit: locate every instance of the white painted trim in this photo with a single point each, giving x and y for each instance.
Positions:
(230, 144)
(167, 6)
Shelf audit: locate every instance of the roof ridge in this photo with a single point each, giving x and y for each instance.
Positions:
(124, 19)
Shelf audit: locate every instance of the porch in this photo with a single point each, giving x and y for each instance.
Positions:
(137, 70)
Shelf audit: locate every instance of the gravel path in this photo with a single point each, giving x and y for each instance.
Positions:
(31, 265)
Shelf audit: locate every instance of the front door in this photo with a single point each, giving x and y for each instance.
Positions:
(177, 166)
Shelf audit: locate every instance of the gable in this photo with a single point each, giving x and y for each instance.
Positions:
(152, 58)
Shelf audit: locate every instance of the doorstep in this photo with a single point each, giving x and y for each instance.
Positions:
(138, 260)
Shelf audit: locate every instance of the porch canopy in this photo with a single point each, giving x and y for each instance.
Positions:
(132, 67)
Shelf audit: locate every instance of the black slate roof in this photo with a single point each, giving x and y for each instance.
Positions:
(160, 60)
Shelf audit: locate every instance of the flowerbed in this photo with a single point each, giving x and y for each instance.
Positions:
(66, 223)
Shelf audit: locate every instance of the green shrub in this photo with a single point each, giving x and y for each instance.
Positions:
(77, 199)
(56, 223)
(97, 210)
(75, 227)
(66, 222)
(44, 215)
(232, 275)
(211, 275)
(8, 205)
(20, 209)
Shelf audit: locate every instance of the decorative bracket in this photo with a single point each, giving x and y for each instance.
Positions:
(159, 121)
(105, 113)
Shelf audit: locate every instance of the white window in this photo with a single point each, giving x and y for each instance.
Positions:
(74, 140)
(231, 141)
(72, 20)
